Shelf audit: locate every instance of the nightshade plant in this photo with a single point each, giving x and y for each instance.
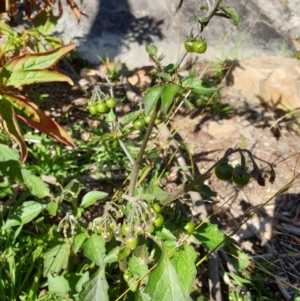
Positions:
(141, 246)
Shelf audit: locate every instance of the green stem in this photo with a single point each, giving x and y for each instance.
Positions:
(138, 161)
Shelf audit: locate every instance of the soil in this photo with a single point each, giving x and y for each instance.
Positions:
(268, 217)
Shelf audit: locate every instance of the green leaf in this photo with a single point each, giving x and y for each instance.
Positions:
(184, 262)
(8, 45)
(232, 13)
(205, 190)
(211, 237)
(96, 289)
(5, 190)
(112, 256)
(28, 77)
(7, 153)
(12, 170)
(152, 50)
(72, 190)
(243, 261)
(130, 117)
(137, 266)
(57, 258)
(188, 104)
(164, 75)
(170, 68)
(45, 25)
(36, 185)
(151, 97)
(167, 95)
(83, 279)
(165, 233)
(94, 249)
(37, 61)
(58, 286)
(92, 197)
(155, 191)
(197, 85)
(24, 214)
(7, 30)
(79, 239)
(239, 279)
(52, 206)
(124, 252)
(164, 283)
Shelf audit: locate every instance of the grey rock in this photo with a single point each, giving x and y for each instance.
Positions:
(121, 29)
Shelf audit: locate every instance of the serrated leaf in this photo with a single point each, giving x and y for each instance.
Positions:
(197, 85)
(164, 283)
(57, 258)
(130, 117)
(96, 289)
(28, 77)
(78, 241)
(24, 214)
(167, 95)
(7, 153)
(10, 125)
(232, 13)
(94, 248)
(211, 237)
(35, 184)
(91, 198)
(184, 262)
(137, 266)
(37, 61)
(151, 97)
(58, 286)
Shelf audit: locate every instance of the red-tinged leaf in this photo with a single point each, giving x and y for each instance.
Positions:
(10, 125)
(37, 119)
(24, 77)
(51, 128)
(75, 10)
(60, 8)
(28, 8)
(38, 61)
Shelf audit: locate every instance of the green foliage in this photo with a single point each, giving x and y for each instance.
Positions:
(137, 242)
